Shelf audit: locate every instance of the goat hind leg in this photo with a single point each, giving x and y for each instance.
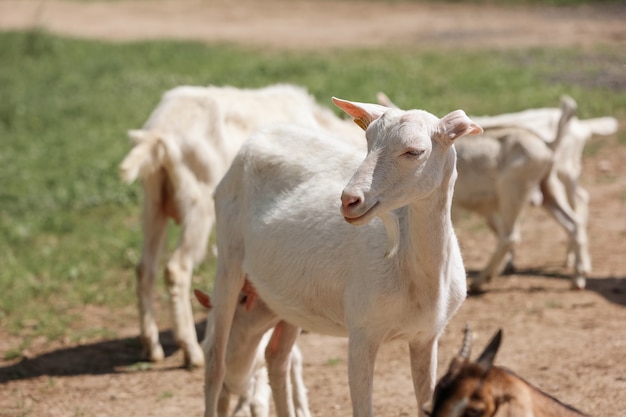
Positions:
(556, 204)
(190, 250)
(278, 357)
(300, 398)
(154, 231)
(228, 283)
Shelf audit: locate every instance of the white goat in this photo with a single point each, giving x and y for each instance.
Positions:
(563, 188)
(279, 224)
(497, 173)
(181, 153)
(246, 373)
(480, 388)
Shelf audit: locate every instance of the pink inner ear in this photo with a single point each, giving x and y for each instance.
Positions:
(457, 124)
(351, 108)
(365, 113)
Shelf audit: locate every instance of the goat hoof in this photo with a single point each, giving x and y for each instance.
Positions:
(153, 353)
(475, 289)
(509, 268)
(579, 283)
(194, 358)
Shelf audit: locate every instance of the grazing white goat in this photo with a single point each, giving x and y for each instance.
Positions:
(332, 266)
(481, 389)
(519, 153)
(246, 373)
(181, 153)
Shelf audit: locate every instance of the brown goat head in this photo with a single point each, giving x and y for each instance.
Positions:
(462, 391)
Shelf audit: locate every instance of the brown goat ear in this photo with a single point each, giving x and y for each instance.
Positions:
(456, 364)
(485, 360)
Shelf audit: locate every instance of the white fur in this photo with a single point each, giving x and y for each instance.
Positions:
(181, 153)
(279, 224)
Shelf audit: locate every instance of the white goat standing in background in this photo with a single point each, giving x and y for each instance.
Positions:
(481, 389)
(279, 225)
(181, 153)
(562, 195)
(246, 372)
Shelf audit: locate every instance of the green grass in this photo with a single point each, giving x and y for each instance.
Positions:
(69, 229)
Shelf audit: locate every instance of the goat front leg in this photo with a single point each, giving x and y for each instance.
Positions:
(362, 351)
(510, 208)
(278, 357)
(423, 370)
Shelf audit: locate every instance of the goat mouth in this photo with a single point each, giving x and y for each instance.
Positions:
(363, 218)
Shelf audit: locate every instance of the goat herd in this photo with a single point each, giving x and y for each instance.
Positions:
(324, 228)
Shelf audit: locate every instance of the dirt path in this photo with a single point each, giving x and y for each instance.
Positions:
(570, 343)
(321, 24)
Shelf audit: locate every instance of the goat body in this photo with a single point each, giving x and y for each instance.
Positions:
(181, 153)
(481, 389)
(279, 225)
(560, 192)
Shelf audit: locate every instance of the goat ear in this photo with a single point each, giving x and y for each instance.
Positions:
(136, 135)
(384, 100)
(362, 113)
(457, 124)
(456, 364)
(485, 360)
(203, 298)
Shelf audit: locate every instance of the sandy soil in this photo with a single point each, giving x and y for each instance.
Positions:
(570, 343)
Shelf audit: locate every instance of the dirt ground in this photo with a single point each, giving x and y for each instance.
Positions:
(570, 343)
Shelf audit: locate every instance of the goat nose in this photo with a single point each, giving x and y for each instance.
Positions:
(348, 200)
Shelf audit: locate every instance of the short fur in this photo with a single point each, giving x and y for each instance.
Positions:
(279, 225)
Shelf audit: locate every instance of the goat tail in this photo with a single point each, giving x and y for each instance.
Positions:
(568, 110)
(392, 226)
(144, 158)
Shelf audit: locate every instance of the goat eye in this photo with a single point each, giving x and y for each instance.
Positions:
(414, 152)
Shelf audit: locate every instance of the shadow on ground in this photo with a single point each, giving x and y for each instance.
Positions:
(106, 357)
(612, 288)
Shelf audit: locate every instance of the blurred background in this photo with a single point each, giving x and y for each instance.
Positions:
(76, 75)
